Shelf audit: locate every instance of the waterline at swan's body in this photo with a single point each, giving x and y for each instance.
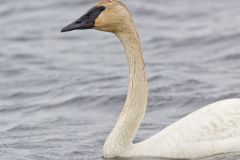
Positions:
(213, 129)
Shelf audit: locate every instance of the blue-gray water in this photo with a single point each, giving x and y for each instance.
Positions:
(60, 94)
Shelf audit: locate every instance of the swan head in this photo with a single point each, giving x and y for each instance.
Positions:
(107, 15)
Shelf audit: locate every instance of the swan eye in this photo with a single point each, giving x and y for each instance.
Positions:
(102, 8)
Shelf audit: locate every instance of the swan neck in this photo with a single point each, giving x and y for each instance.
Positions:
(135, 106)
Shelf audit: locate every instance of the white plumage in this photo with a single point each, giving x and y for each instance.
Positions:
(211, 130)
(214, 129)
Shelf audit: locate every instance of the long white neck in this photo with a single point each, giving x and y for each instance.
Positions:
(135, 106)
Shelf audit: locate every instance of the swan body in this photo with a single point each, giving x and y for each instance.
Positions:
(214, 129)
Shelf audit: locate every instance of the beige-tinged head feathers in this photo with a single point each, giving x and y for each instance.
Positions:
(115, 18)
(109, 2)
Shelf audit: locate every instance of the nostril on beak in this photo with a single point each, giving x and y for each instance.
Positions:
(80, 21)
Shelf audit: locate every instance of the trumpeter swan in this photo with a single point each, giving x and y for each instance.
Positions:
(214, 129)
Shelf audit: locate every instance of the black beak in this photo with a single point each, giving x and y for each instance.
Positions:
(82, 23)
(87, 21)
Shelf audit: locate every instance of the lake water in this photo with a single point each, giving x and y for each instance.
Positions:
(60, 94)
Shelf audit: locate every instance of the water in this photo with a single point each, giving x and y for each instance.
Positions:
(60, 94)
